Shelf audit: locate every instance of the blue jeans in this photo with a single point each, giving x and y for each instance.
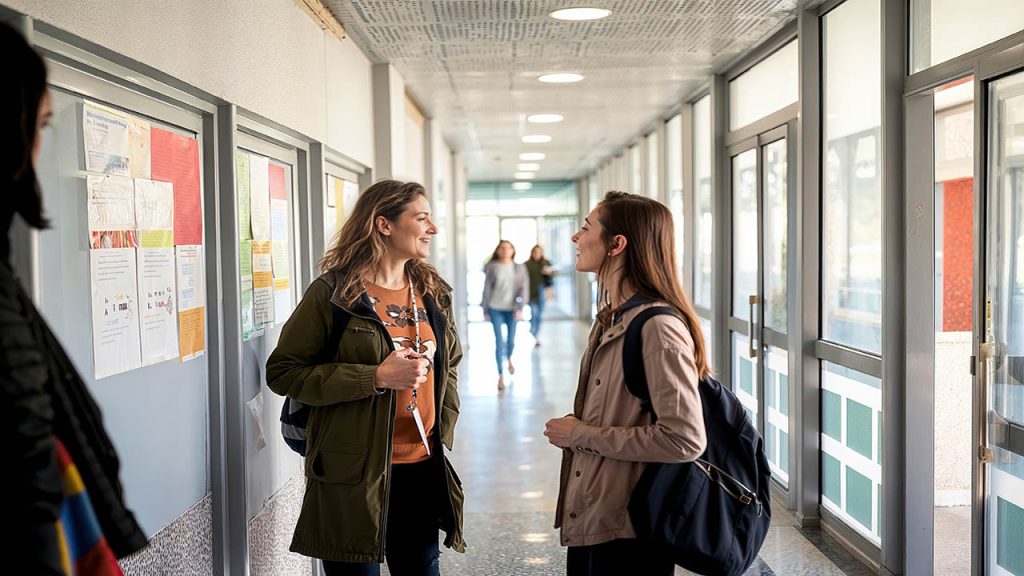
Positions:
(503, 346)
(411, 541)
(536, 310)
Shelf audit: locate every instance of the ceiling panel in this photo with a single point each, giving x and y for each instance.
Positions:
(473, 65)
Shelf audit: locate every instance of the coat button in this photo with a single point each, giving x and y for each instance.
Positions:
(572, 515)
(577, 473)
(598, 382)
(566, 540)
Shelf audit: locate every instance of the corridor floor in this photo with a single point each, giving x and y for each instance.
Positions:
(510, 472)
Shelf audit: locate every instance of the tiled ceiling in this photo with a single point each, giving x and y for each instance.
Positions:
(473, 64)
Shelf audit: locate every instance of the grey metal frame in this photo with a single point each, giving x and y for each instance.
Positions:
(689, 196)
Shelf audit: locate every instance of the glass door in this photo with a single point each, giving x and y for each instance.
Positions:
(760, 178)
(1002, 340)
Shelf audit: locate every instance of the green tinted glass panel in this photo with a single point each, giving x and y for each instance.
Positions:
(858, 428)
(769, 442)
(878, 446)
(784, 394)
(783, 450)
(858, 497)
(832, 415)
(831, 473)
(769, 387)
(1010, 537)
(746, 376)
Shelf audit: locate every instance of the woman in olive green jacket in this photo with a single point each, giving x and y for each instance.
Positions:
(383, 404)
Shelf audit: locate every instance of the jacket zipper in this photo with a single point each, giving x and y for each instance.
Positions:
(391, 424)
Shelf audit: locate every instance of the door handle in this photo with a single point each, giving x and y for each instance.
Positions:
(751, 302)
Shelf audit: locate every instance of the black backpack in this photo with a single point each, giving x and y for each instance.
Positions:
(295, 414)
(711, 516)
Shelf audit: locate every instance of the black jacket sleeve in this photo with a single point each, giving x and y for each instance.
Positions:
(31, 484)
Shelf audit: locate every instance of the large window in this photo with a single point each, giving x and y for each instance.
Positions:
(674, 175)
(944, 29)
(852, 188)
(652, 164)
(635, 165)
(769, 86)
(702, 154)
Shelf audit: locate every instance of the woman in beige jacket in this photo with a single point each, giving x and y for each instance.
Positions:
(629, 242)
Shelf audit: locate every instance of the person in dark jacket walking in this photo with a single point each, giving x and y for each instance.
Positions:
(541, 277)
(385, 402)
(43, 401)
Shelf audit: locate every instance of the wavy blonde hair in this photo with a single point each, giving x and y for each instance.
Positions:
(359, 248)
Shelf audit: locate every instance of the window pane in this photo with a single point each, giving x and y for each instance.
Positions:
(851, 414)
(674, 162)
(768, 87)
(702, 187)
(944, 29)
(776, 234)
(852, 194)
(744, 232)
(776, 391)
(653, 165)
(636, 167)
(744, 369)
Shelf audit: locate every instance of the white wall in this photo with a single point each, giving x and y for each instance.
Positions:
(267, 57)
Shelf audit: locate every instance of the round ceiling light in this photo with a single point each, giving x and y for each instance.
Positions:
(576, 14)
(544, 118)
(524, 175)
(522, 185)
(560, 78)
(531, 156)
(528, 167)
(536, 139)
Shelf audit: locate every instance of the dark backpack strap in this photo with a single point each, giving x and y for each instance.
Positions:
(633, 356)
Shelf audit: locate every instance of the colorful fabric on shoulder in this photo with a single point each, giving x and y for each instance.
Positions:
(84, 550)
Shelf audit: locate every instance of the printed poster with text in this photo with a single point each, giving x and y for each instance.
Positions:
(249, 328)
(175, 159)
(110, 204)
(154, 212)
(259, 195)
(107, 140)
(158, 305)
(279, 243)
(115, 311)
(242, 182)
(262, 283)
(191, 302)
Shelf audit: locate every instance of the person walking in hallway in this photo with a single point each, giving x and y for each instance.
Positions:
(540, 279)
(629, 242)
(506, 286)
(63, 508)
(384, 400)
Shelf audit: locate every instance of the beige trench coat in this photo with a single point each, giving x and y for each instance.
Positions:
(609, 448)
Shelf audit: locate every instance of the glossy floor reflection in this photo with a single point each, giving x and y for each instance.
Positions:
(510, 472)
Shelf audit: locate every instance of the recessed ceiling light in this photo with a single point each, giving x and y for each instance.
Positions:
(522, 185)
(560, 78)
(532, 156)
(528, 167)
(580, 14)
(536, 139)
(544, 118)
(525, 175)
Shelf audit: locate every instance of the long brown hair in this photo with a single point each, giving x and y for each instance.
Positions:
(496, 248)
(650, 261)
(359, 248)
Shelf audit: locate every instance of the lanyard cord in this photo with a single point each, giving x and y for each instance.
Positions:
(416, 343)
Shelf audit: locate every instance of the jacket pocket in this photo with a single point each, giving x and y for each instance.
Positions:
(343, 464)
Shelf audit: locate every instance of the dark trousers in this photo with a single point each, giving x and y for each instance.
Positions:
(503, 346)
(616, 558)
(411, 538)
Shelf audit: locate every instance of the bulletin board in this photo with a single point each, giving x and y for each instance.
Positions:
(120, 279)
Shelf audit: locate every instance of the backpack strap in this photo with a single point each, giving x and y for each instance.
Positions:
(633, 357)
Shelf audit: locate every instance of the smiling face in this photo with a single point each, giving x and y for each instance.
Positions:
(409, 236)
(590, 248)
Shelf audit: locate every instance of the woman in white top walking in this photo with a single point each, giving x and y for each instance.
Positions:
(506, 291)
